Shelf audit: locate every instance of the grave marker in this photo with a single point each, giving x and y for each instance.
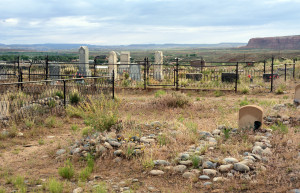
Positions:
(135, 72)
(124, 62)
(54, 70)
(84, 69)
(157, 67)
(229, 77)
(112, 63)
(249, 115)
(194, 76)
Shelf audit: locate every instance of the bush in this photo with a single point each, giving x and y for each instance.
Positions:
(86, 172)
(244, 102)
(159, 93)
(196, 161)
(55, 186)
(20, 184)
(279, 91)
(74, 98)
(101, 188)
(218, 93)
(245, 90)
(60, 94)
(67, 171)
(174, 100)
(101, 114)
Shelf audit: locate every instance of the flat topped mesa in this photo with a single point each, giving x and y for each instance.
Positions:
(84, 69)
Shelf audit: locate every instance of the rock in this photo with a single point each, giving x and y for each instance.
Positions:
(118, 153)
(219, 179)
(152, 189)
(230, 160)
(241, 167)
(179, 168)
(204, 177)
(221, 127)
(156, 172)
(267, 151)
(60, 151)
(257, 157)
(257, 150)
(78, 190)
(295, 191)
(207, 184)
(212, 141)
(263, 168)
(188, 175)
(146, 140)
(209, 165)
(225, 168)
(156, 125)
(75, 151)
(161, 163)
(249, 157)
(117, 160)
(245, 177)
(247, 162)
(111, 135)
(137, 152)
(205, 134)
(101, 149)
(186, 163)
(184, 156)
(216, 132)
(209, 172)
(196, 172)
(114, 143)
(107, 145)
(230, 175)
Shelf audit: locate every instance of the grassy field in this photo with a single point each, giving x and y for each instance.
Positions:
(35, 153)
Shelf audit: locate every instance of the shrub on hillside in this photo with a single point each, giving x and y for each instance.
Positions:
(173, 100)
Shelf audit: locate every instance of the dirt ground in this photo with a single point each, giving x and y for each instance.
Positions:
(33, 155)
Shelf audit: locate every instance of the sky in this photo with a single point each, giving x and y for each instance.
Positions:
(123, 22)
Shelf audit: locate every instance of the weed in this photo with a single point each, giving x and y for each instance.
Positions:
(159, 93)
(74, 127)
(55, 186)
(196, 161)
(218, 93)
(29, 123)
(2, 190)
(85, 174)
(129, 151)
(101, 188)
(280, 127)
(52, 103)
(20, 184)
(285, 97)
(162, 139)
(245, 90)
(86, 131)
(244, 102)
(67, 171)
(193, 127)
(279, 91)
(50, 122)
(41, 142)
(174, 100)
(74, 98)
(198, 99)
(226, 133)
(60, 94)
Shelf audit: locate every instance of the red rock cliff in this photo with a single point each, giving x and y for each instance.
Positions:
(279, 43)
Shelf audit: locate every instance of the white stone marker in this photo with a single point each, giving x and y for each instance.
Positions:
(158, 68)
(84, 69)
(248, 115)
(112, 63)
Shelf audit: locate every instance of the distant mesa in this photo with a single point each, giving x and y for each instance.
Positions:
(278, 43)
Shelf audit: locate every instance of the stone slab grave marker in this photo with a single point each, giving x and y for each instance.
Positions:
(297, 95)
(112, 63)
(157, 67)
(194, 76)
(4, 108)
(54, 70)
(124, 62)
(229, 77)
(135, 72)
(249, 116)
(84, 69)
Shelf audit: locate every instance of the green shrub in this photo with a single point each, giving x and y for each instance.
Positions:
(19, 183)
(280, 127)
(101, 188)
(218, 93)
(244, 102)
(67, 171)
(52, 103)
(50, 122)
(245, 90)
(29, 123)
(74, 127)
(226, 133)
(126, 75)
(279, 91)
(60, 94)
(196, 161)
(159, 93)
(174, 100)
(55, 186)
(126, 83)
(74, 98)
(162, 139)
(86, 172)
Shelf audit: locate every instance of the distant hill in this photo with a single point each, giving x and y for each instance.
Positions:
(278, 43)
(56, 47)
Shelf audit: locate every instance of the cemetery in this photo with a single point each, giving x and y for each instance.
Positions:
(148, 125)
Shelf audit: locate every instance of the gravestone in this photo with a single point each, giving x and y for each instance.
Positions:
(4, 108)
(267, 77)
(135, 72)
(84, 69)
(229, 77)
(249, 116)
(157, 67)
(54, 70)
(197, 63)
(112, 63)
(297, 95)
(194, 76)
(124, 62)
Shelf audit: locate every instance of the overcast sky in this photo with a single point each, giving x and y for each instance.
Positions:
(121, 22)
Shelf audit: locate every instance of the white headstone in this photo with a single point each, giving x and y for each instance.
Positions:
(124, 62)
(112, 63)
(158, 68)
(84, 69)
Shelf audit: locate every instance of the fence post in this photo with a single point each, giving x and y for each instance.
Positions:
(65, 96)
(294, 68)
(284, 72)
(236, 76)
(47, 63)
(18, 63)
(177, 78)
(145, 75)
(264, 66)
(113, 84)
(272, 68)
